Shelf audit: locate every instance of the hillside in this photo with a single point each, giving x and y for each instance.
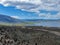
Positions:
(27, 36)
(8, 19)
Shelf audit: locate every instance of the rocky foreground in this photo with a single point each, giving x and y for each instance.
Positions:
(16, 35)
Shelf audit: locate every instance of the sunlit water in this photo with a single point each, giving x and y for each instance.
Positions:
(46, 23)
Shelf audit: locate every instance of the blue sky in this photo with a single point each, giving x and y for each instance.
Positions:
(31, 9)
(11, 11)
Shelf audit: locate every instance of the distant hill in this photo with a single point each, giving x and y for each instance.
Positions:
(8, 19)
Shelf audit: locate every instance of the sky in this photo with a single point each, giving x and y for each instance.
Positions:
(31, 9)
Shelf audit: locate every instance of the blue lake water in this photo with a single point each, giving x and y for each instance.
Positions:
(47, 23)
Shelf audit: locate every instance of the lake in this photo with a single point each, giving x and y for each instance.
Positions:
(48, 23)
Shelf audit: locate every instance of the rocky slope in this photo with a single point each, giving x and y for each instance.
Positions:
(27, 36)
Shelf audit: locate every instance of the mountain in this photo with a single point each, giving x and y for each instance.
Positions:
(8, 19)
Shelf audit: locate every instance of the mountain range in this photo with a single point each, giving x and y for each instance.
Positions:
(8, 19)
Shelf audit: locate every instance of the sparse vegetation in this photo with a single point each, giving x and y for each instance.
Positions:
(26, 35)
(16, 24)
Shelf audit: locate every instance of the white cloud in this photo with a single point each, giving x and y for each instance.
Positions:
(49, 16)
(35, 6)
(17, 17)
(29, 5)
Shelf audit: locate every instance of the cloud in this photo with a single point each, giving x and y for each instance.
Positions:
(32, 4)
(49, 16)
(35, 6)
(17, 17)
